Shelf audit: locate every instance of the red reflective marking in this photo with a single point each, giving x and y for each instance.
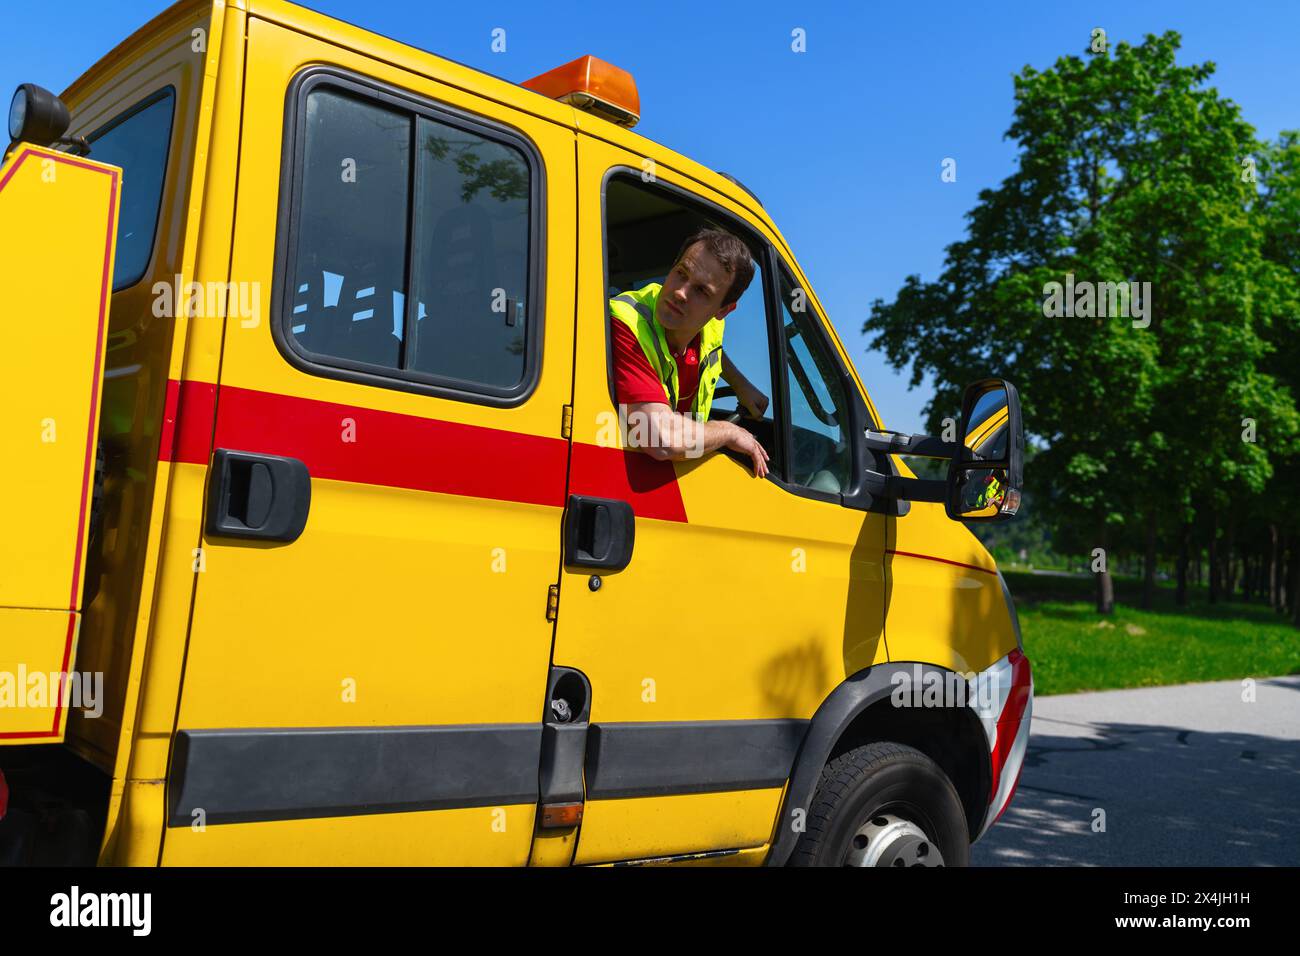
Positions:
(1008, 726)
(930, 557)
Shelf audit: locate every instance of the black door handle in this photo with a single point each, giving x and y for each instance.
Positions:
(598, 533)
(257, 496)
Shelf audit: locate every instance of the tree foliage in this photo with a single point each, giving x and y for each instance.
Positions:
(1132, 169)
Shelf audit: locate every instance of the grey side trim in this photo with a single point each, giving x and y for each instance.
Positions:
(833, 717)
(247, 775)
(679, 858)
(658, 759)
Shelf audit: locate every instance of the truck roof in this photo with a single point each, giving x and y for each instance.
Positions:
(404, 55)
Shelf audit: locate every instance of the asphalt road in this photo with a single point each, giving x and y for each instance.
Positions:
(1186, 776)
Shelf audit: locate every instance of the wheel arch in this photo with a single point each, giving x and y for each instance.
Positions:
(860, 711)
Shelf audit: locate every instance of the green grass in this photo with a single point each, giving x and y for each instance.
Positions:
(1073, 648)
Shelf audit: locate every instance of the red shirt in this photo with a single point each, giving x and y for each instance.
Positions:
(635, 379)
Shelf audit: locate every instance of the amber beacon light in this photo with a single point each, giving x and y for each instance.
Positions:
(589, 83)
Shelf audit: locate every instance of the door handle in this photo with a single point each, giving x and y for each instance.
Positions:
(257, 496)
(598, 533)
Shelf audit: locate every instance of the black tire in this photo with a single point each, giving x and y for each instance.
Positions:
(877, 779)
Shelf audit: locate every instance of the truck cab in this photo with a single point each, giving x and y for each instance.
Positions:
(362, 558)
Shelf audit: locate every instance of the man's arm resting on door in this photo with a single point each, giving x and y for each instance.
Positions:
(666, 435)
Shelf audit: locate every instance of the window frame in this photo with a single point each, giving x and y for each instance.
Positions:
(721, 216)
(283, 289)
(165, 92)
(769, 262)
(858, 414)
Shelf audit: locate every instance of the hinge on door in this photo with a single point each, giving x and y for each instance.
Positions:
(566, 422)
(552, 602)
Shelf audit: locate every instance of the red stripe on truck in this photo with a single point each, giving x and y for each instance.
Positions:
(408, 451)
(349, 443)
(188, 417)
(650, 485)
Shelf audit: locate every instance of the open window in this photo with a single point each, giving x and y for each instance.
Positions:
(645, 225)
(815, 417)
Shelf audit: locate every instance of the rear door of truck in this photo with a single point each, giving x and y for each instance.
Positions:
(369, 689)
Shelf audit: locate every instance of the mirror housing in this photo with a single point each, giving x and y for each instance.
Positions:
(37, 116)
(991, 453)
(986, 473)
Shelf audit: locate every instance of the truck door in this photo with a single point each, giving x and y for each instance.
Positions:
(744, 601)
(368, 655)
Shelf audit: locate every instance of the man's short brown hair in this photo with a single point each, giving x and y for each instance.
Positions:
(728, 250)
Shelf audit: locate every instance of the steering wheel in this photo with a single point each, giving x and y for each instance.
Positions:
(807, 448)
(728, 392)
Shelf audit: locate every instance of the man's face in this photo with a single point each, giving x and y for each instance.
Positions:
(692, 293)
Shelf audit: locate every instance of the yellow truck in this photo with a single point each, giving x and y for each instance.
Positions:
(326, 544)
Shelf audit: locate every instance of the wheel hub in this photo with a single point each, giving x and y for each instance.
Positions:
(888, 840)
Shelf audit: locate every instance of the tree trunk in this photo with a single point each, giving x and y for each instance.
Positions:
(1105, 586)
(1184, 556)
(1230, 557)
(1149, 563)
(1294, 589)
(1273, 580)
(1283, 566)
(1214, 558)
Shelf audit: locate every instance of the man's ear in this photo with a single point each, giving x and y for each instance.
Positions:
(726, 310)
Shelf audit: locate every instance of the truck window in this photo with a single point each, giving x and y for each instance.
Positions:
(411, 245)
(350, 270)
(644, 227)
(137, 140)
(821, 457)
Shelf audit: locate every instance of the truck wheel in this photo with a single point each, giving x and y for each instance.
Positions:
(884, 804)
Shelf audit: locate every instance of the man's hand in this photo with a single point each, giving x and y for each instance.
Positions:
(745, 443)
(751, 400)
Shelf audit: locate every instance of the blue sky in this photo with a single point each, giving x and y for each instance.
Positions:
(843, 143)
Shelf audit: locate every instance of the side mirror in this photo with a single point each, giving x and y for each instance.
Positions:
(985, 475)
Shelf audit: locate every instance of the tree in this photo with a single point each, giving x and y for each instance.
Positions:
(1118, 277)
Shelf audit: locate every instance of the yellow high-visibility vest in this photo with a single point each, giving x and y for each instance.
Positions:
(636, 310)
